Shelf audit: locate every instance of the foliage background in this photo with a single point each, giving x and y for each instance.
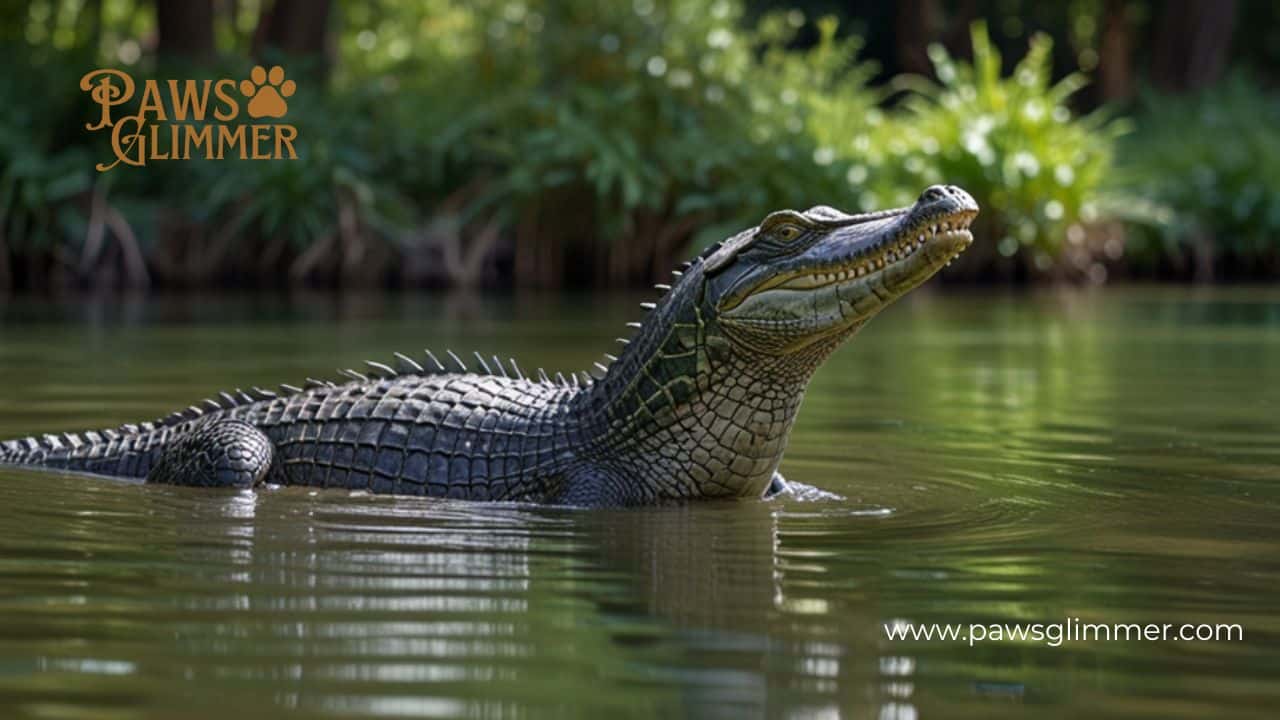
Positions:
(505, 143)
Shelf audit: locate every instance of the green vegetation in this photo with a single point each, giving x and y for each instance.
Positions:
(499, 143)
(1011, 141)
(1210, 165)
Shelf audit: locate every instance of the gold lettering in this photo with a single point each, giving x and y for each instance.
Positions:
(151, 101)
(155, 143)
(105, 93)
(227, 139)
(286, 134)
(123, 144)
(196, 138)
(233, 107)
(188, 100)
(261, 135)
(140, 137)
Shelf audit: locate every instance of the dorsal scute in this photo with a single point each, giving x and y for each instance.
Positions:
(404, 366)
(656, 312)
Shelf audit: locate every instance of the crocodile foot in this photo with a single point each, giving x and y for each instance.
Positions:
(777, 485)
(227, 453)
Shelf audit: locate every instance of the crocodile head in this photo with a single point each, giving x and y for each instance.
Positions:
(702, 400)
(810, 279)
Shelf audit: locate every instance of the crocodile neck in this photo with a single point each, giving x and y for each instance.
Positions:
(684, 412)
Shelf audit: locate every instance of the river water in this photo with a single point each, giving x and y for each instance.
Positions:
(1104, 456)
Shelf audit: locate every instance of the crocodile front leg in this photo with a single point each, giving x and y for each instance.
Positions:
(226, 453)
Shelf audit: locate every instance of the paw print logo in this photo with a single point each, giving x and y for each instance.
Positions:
(267, 100)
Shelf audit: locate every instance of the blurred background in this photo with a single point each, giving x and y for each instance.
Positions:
(510, 144)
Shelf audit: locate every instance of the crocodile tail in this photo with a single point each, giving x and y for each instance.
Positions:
(126, 452)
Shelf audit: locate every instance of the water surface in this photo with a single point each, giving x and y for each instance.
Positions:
(1109, 456)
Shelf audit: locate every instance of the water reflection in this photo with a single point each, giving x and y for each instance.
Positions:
(368, 604)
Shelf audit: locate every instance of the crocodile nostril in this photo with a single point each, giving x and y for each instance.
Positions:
(934, 192)
(964, 199)
(946, 198)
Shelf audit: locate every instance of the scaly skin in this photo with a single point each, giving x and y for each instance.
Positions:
(699, 405)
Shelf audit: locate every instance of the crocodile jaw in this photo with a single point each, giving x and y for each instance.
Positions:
(834, 301)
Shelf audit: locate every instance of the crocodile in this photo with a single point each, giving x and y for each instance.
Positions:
(699, 402)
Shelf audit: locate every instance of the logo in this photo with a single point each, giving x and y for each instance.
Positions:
(266, 100)
(193, 119)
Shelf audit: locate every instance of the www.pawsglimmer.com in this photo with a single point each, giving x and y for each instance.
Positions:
(1057, 633)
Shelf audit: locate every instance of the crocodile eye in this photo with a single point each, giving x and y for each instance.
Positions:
(787, 233)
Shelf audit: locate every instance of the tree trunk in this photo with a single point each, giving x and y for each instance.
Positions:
(957, 37)
(185, 29)
(1115, 53)
(1191, 43)
(916, 24)
(297, 28)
